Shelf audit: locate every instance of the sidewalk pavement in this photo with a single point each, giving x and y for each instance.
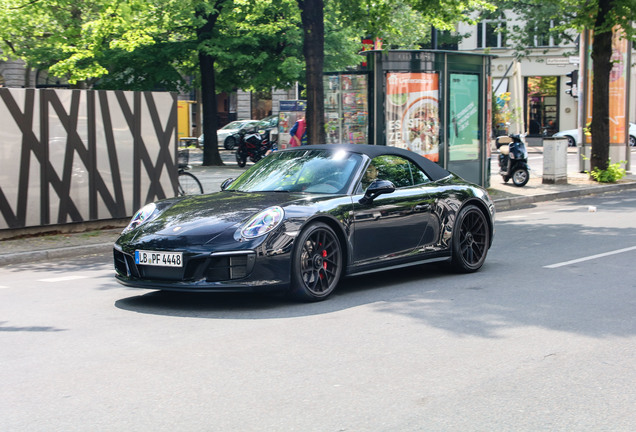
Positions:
(53, 246)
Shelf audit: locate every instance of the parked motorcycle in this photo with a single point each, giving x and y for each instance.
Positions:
(252, 145)
(513, 159)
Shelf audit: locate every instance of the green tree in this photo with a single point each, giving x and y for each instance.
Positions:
(564, 20)
(153, 44)
(389, 20)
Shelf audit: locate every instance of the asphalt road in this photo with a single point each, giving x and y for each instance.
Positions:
(542, 338)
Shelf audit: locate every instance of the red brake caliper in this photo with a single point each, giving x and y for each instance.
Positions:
(324, 264)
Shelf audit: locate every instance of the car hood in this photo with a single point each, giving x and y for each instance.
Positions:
(201, 218)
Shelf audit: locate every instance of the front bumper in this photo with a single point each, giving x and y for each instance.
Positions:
(207, 272)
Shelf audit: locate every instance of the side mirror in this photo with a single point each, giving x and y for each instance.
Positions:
(375, 189)
(226, 183)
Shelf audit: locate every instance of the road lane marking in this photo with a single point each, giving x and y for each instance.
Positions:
(565, 263)
(63, 278)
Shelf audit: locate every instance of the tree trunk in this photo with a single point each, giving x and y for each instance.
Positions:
(601, 68)
(312, 15)
(211, 154)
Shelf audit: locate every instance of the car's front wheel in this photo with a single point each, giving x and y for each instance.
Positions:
(470, 240)
(316, 263)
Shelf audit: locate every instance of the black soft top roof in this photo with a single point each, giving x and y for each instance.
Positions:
(432, 170)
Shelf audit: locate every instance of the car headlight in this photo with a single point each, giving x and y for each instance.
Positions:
(143, 215)
(263, 222)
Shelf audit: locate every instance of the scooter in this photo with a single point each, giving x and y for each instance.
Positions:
(252, 145)
(513, 159)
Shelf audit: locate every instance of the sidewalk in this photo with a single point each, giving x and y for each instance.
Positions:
(28, 249)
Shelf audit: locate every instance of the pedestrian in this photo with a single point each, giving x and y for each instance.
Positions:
(298, 133)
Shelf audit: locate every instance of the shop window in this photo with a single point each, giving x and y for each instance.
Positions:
(491, 31)
(542, 105)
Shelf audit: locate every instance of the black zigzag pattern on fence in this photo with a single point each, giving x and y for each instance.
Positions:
(46, 103)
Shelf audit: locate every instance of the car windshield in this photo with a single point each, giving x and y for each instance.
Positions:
(234, 125)
(311, 171)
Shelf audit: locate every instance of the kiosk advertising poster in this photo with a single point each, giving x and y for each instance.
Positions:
(617, 87)
(463, 133)
(412, 112)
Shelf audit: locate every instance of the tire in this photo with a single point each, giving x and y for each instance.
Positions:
(470, 242)
(520, 177)
(316, 263)
(240, 160)
(632, 141)
(571, 141)
(229, 143)
(189, 184)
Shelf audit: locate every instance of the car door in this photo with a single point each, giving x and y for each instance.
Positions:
(393, 224)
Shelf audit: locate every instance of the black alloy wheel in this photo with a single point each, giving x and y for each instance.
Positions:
(229, 143)
(317, 263)
(470, 240)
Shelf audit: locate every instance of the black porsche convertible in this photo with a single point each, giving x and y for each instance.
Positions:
(303, 218)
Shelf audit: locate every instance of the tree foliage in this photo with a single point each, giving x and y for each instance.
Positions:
(565, 20)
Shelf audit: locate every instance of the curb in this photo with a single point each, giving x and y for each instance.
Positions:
(501, 205)
(56, 253)
(512, 203)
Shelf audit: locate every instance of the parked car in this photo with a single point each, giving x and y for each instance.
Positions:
(573, 136)
(302, 218)
(226, 134)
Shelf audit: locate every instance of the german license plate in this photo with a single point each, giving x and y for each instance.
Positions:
(155, 258)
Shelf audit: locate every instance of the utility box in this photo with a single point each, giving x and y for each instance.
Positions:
(555, 160)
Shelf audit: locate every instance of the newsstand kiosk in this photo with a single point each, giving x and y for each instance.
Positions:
(435, 103)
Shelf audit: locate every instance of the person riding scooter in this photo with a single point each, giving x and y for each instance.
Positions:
(513, 159)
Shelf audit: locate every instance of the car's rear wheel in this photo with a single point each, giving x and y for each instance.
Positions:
(520, 177)
(316, 263)
(229, 143)
(470, 240)
(571, 141)
(632, 141)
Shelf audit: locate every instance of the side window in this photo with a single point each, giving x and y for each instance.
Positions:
(399, 171)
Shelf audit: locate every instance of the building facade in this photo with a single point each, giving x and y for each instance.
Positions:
(535, 94)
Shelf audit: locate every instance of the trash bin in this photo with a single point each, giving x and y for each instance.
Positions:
(555, 160)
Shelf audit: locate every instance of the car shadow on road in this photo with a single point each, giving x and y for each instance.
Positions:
(352, 292)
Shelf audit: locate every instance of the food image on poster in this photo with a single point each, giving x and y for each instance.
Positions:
(420, 125)
(412, 112)
(398, 99)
